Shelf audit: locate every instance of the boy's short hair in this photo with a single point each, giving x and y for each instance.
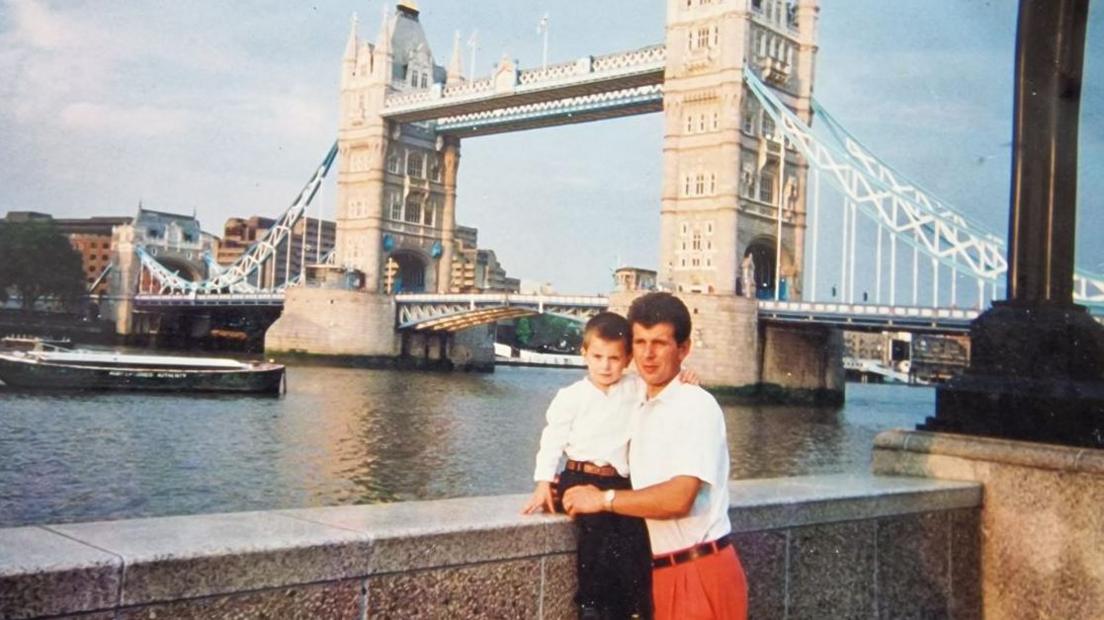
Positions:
(655, 308)
(608, 326)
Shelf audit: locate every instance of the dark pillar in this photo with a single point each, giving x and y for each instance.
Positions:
(1037, 368)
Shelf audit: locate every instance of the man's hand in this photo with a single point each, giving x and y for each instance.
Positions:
(541, 499)
(583, 500)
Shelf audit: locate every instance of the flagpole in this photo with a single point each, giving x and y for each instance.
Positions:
(781, 200)
(473, 43)
(542, 27)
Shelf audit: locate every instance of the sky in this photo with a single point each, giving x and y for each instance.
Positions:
(225, 109)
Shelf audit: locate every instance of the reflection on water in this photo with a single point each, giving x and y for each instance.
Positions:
(344, 436)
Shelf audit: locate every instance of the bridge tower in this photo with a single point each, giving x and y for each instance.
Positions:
(396, 204)
(396, 182)
(732, 191)
(723, 181)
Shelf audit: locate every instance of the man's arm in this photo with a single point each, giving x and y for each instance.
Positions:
(667, 500)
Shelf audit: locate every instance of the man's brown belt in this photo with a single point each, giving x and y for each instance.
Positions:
(693, 553)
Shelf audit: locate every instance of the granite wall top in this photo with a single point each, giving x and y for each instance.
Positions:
(995, 449)
(69, 568)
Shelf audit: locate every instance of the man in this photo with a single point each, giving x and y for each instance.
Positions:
(678, 455)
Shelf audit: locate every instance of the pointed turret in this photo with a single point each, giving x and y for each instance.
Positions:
(349, 60)
(383, 39)
(456, 64)
(351, 44)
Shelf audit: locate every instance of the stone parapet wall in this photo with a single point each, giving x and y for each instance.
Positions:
(1042, 522)
(813, 547)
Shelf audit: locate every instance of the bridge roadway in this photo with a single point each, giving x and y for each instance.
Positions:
(453, 312)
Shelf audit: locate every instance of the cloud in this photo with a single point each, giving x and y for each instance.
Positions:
(141, 121)
(39, 28)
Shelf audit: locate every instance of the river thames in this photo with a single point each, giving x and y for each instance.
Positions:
(347, 436)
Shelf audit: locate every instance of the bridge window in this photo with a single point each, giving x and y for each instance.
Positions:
(766, 186)
(394, 205)
(415, 164)
(768, 126)
(751, 111)
(393, 160)
(413, 212)
(430, 213)
(435, 168)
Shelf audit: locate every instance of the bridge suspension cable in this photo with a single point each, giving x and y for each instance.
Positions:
(235, 278)
(900, 208)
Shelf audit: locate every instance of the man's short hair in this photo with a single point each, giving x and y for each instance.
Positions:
(655, 308)
(608, 326)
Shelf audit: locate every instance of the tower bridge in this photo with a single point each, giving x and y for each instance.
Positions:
(746, 185)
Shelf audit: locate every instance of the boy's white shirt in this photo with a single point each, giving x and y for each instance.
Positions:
(587, 424)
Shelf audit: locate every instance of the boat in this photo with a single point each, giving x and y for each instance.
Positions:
(27, 343)
(107, 370)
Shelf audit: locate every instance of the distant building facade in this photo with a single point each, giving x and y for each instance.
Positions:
(634, 279)
(476, 270)
(311, 240)
(91, 237)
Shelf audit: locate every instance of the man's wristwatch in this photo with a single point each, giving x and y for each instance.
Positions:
(607, 499)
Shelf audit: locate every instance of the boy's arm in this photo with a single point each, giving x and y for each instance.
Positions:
(561, 413)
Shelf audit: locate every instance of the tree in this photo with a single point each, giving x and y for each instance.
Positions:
(523, 331)
(36, 261)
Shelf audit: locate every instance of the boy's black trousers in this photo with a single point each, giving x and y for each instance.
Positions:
(614, 559)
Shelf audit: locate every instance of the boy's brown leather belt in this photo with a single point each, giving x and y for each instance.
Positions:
(606, 471)
(693, 553)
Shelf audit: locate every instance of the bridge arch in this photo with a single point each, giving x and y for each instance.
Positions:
(408, 271)
(187, 269)
(762, 251)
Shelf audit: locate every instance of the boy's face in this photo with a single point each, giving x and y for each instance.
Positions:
(605, 360)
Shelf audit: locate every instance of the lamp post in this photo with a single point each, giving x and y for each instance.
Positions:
(1037, 359)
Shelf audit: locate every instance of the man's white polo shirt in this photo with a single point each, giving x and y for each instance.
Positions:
(681, 432)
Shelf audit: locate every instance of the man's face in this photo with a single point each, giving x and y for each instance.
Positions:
(658, 355)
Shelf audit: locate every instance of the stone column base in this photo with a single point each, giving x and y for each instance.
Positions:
(335, 323)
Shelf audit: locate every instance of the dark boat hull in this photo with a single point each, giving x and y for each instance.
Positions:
(62, 377)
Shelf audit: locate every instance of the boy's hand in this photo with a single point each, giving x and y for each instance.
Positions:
(540, 499)
(583, 500)
(690, 377)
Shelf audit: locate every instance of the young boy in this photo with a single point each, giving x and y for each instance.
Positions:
(588, 422)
